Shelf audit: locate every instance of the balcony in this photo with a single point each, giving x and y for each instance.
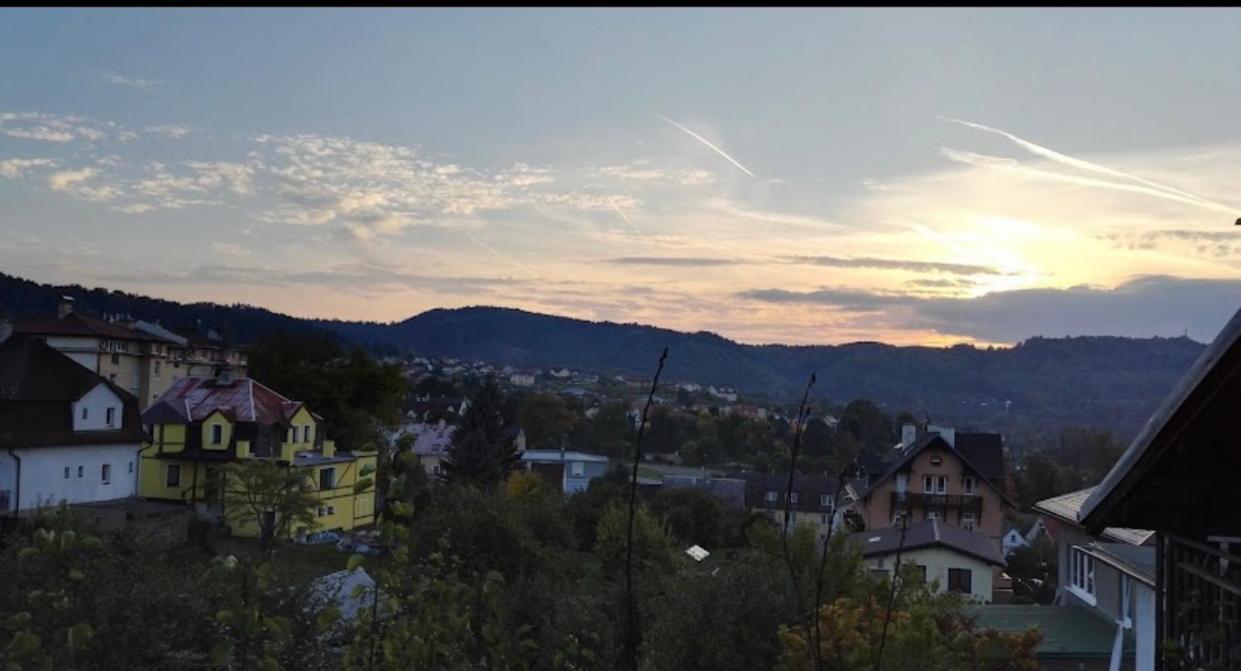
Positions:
(961, 501)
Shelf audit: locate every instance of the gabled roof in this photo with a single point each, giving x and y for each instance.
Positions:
(934, 439)
(75, 324)
(1067, 508)
(928, 533)
(193, 399)
(1215, 371)
(38, 386)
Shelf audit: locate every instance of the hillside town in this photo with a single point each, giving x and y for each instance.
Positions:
(128, 427)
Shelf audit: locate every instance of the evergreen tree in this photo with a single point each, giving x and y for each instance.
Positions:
(480, 453)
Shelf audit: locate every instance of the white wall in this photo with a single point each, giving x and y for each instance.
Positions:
(84, 351)
(96, 403)
(1144, 627)
(43, 479)
(937, 561)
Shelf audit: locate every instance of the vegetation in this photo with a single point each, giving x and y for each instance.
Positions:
(481, 453)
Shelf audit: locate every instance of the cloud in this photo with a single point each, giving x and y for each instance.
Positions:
(1149, 187)
(678, 261)
(1217, 243)
(1141, 307)
(895, 264)
(171, 130)
(138, 83)
(710, 146)
(45, 127)
(16, 167)
(643, 171)
(230, 249)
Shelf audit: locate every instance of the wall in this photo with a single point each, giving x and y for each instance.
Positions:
(96, 403)
(85, 351)
(878, 513)
(127, 369)
(937, 561)
(590, 469)
(43, 481)
(226, 432)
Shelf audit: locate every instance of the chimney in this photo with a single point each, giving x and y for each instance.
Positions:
(65, 308)
(909, 434)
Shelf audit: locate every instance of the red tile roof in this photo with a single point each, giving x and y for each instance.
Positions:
(241, 400)
(74, 324)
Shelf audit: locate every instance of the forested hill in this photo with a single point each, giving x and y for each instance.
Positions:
(1106, 382)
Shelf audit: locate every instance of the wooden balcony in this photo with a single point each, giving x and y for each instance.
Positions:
(956, 501)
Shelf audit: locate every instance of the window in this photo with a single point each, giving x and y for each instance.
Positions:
(292, 434)
(579, 469)
(935, 484)
(116, 358)
(217, 434)
(322, 511)
(156, 369)
(110, 416)
(1081, 574)
(793, 497)
(825, 500)
(932, 514)
(66, 472)
(327, 478)
(968, 521)
(959, 580)
(81, 471)
(111, 377)
(105, 474)
(331, 510)
(772, 496)
(131, 467)
(435, 469)
(306, 433)
(922, 571)
(967, 484)
(824, 518)
(172, 478)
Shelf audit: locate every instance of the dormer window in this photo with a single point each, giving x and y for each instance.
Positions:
(110, 416)
(217, 434)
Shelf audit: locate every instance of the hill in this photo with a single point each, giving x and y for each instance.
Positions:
(1037, 386)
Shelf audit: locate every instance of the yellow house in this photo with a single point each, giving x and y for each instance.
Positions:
(202, 424)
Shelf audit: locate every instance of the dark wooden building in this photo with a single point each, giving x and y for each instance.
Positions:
(1180, 478)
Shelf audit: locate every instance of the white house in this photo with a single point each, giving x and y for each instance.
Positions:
(1011, 540)
(66, 434)
(521, 380)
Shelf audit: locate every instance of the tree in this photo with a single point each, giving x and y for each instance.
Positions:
(546, 420)
(652, 550)
(480, 454)
(268, 497)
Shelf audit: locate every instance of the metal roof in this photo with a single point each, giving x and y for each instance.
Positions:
(557, 455)
(240, 400)
(1067, 508)
(928, 533)
(1068, 632)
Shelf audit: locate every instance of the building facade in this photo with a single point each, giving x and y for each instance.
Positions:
(953, 559)
(66, 434)
(200, 425)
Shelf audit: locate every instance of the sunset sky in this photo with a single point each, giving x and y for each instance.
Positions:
(798, 176)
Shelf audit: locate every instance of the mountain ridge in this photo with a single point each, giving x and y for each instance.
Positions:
(1109, 382)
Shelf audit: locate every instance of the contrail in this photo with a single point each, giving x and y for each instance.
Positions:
(707, 142)
(511, 260)
(622, 214)
(984, 161)
(1065, 159)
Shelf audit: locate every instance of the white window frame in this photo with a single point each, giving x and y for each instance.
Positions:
(793, 497)
(578, 469)
(825, 500)
(933, 515)
(968, 484)
(935, 484)
(109, 417)
(105, 474)
(772, 496)
(969, 521)
(306, 434)
(1082, 575)
(217, 434)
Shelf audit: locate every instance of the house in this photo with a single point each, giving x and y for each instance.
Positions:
(140, 357)
(1178, 479)
(1012, 540)
(568, 471)
(66, 433)
(202, 424)
(1110, 574)
(954, 559)
(730, 491)
(955, 477)
(431, 446)
(723, 393)
(561, 373)
(811, 500)
(521, 379)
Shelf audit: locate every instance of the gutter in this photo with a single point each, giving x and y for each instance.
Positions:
(17, 486)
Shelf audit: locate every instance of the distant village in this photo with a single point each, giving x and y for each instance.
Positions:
(132, 423)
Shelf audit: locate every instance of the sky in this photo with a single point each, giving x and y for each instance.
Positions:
(811, 176)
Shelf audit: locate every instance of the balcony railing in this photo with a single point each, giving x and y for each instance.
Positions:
(1199, 605)
(962, 501)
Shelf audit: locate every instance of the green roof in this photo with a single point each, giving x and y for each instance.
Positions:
(1068, 631)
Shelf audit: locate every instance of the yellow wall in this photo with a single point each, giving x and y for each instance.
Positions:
(216, 419)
